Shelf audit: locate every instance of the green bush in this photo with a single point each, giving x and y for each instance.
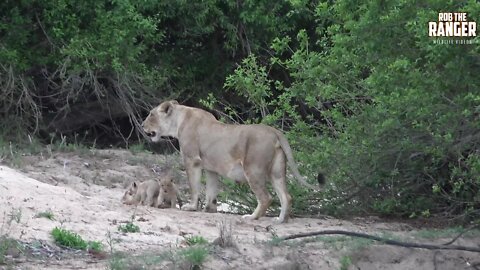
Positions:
(196, 240)
(7, 246)
(68, 238)
(73, 240)
(128, 228)
(395, 130)
(195, 255)
(361, 91)
(46, 214)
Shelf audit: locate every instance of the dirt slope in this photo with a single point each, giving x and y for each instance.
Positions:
(84, 194)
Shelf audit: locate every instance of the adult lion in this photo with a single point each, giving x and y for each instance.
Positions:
(252, 153)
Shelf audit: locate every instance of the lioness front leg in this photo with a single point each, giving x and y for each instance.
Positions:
(194, 173)
(211, 192)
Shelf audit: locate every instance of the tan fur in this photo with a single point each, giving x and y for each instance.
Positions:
(145, 193)
(251, 153)
(168, 193)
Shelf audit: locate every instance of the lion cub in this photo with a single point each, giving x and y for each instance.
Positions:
(168, 194)
(144, 193)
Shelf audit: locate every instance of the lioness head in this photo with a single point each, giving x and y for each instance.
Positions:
(160, 121)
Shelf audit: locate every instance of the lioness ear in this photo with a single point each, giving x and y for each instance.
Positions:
(169, 107)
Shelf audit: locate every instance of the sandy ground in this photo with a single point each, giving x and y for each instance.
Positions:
(84, 191)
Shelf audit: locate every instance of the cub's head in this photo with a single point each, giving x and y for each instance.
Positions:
(161, 121)
(131, 191)
(166, 184)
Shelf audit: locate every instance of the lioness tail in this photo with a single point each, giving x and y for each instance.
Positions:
(291, 162)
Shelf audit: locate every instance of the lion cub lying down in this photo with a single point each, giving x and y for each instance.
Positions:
(145, 193)
(157, 193)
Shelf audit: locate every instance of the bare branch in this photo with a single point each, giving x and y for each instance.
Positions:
(383, 240)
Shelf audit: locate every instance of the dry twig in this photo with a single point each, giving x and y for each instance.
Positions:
(384, 240)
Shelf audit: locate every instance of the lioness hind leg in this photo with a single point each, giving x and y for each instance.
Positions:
(211, 192)
(280, 185)
(264, 199)
(285, 199)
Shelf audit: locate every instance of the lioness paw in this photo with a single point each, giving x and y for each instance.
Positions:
(190, 207)
(278, 220)
(249, 217)
(210, 209)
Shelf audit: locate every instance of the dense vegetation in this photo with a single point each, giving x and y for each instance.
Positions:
(362, 92)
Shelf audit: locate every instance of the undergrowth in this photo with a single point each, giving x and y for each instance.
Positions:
(73, 240)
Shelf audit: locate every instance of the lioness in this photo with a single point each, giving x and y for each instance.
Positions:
(167, 197)
(145, 193)
(252, 153)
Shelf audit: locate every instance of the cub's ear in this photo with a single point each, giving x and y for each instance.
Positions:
(174, 102)
(134, 184)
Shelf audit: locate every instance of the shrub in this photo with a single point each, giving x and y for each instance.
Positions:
(46, 214)
(68, 238)
(195, 255)
(196, 240)
(128, 228)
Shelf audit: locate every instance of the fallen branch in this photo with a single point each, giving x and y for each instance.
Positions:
(383, 240)
(460, 235)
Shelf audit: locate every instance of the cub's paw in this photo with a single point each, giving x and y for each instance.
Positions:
(190, 207)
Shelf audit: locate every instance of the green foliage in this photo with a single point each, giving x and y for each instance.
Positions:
(7, 247)
(446, 233)
(195, 255)
(187, 258)
(395, 130)
(252, 82)
(342, 242)
(345, 262)
(121, 57)
(361, 91)
(196, 240)
(238, 196)
(116, 262)
(276, 241)
(128, 227)
(70, 239)
(137, 148)
(123, 261)
(46, 214)
(95, 245)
